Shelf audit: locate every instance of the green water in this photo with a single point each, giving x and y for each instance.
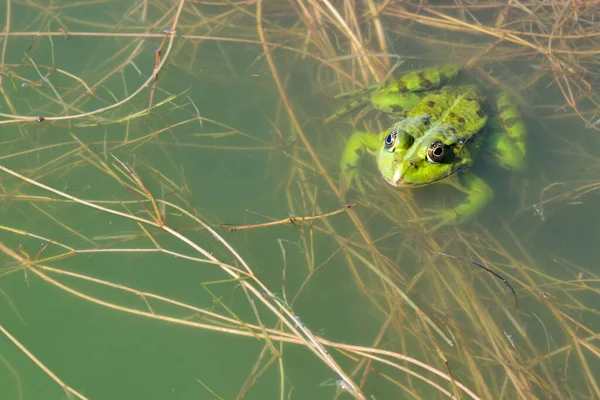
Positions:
(252, 176)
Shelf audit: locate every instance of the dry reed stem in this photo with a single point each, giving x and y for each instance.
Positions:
(36, 268)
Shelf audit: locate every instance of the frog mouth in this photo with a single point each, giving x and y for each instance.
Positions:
(398, 181)
(400, 184)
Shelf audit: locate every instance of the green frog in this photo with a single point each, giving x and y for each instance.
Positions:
(441, 131)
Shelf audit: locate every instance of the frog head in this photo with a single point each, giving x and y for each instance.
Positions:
(406, 159)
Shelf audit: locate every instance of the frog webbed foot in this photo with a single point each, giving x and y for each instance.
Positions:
(478, 195)
(438, 219)
(358, 144)
(353, 106)
(350, 178)
(357, 182)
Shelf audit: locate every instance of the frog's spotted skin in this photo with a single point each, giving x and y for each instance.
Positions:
(424, 79)
(400, 95)
(439, 139)
(509, 139)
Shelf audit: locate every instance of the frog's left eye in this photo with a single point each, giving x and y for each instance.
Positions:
(437, 153)
(390, 140)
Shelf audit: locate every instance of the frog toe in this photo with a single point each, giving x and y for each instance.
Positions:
(437, 219)
(349, 108)
(352, 179)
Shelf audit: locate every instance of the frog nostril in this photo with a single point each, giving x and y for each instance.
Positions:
(413, 164)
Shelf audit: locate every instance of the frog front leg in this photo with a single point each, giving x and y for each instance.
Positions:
(478, 194)
(356, 146)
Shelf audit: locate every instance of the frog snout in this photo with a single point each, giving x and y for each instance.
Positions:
(396, 178)
(401, 170)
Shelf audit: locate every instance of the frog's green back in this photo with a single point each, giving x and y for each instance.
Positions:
(458, 107)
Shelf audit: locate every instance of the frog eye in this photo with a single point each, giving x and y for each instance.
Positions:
(436, 153)
(390, 140)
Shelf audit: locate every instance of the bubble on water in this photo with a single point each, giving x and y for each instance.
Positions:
(343, 385)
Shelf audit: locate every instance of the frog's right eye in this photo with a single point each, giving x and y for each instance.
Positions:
(390, 140)
(437, 153)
